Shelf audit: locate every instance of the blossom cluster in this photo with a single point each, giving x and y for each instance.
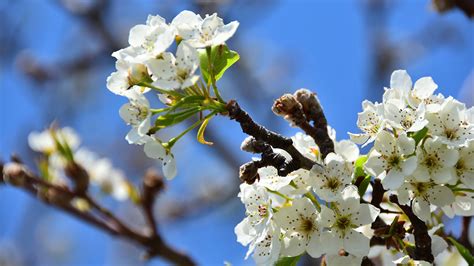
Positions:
(423, 147)
(58, 146)
(148, 64)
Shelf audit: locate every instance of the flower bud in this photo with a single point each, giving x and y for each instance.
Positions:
(138, 73)
(14, 174)
(79, 175)
(56, 197)
(250, 144)
(248, 173)
(309, 101)
(285, 105)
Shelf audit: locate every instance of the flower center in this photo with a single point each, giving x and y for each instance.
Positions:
(431, 161)
(332, 183)
(421, 188)
(394, 160)
(450, 133)
(460, 167)
(343, 222)
(307, 225)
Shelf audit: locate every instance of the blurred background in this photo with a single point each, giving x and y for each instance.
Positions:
(55, 58)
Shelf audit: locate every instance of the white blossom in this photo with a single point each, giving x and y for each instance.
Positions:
(402, 117)
(300, 223)
(329, 181)
(305, 145)
(389, 160)
(370, 121)
(436, 162)
(465, 165)
(175, 73)
(199, 32)
(348, 215)
(155, 150)
(147, 40)
(447, 125)
(270, 179)
(128, 75)
(422, 195)
(137, 114)
(463, 205)
(102, 173)
(44, 142)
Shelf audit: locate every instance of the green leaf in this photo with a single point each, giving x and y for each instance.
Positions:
(364, 185)
(463, 251)
(359, 166)
(187, 102)
(200, 134)
(418, 136)
(175, 118)
(221, 59)
(288, 261)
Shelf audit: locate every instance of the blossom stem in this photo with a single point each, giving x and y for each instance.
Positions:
(172, 141)
(169, 92)
(314, 200)
(213, 77)
(279, 194)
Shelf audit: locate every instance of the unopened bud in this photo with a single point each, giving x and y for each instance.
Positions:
(309, 101)
(79, 176)
(250, 144)
(248, 173)
(14, 174)
(137, 74)
(285, 105)
(56, 197)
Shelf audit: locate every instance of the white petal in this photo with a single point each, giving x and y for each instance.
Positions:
(315, 247)
(153, 149)
(440, 196)
(169, 167)
(328, 217)
(406, 144)
(438, 245)
(356, 243)
(421, 208)
(424, 87)
(332, 242)
(347, 149)
(225, 32)
(401, 80)
(366, 214)
(137, 35)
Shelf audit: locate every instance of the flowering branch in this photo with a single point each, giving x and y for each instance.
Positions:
(62, 197)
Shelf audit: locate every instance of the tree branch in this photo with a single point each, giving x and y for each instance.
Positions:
(420, 231)
(61, 197)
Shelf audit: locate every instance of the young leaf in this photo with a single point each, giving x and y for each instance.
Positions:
(200, 134)
(288, 261)
(418, 136)
(359, 166)
(465, 253)
(175, 118)
(221, 59)
(364, 185)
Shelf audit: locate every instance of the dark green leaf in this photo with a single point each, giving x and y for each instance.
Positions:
(221, 58)
(288, 261)
(463, 251)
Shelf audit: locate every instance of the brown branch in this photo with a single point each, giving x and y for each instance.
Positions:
(466, 6)
(61, 198)
(271, 138)
(420, 231)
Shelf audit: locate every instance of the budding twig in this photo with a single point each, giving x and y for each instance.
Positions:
(271, 138)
